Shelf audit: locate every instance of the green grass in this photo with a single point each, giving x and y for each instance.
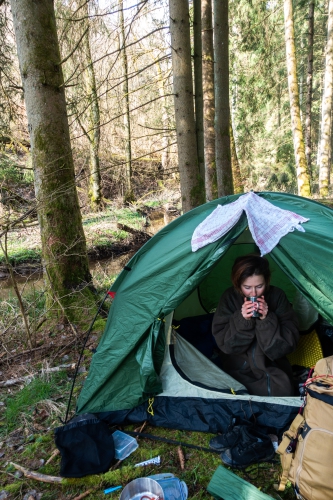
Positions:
(24, 401)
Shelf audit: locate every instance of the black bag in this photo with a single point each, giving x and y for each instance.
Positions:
(86, 446)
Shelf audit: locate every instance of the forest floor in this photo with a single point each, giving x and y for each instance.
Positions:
(35, 383)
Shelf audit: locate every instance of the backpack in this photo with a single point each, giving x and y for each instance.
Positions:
(306, 448)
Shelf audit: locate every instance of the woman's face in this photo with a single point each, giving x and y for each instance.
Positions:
(253, 286)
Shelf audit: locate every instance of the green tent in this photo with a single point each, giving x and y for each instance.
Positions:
(143, 370)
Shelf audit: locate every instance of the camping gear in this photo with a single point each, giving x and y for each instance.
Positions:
(231, 437)
(306, 448)
(225, 485)
(144, 371)
(173, 488)
(124, 445)
(86, 446)
(252, 447)
(154, 460)
(112, 489)
(142, 488)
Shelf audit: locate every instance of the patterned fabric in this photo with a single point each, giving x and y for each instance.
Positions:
(267, 223)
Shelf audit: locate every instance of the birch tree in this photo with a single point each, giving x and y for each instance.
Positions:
(190, 181)
(64, 254)
(303, 179)
(326, 114)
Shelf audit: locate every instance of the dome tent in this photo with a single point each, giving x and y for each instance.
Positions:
(142, 370)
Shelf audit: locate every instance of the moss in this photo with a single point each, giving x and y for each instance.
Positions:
(13, 487)
(197, 193)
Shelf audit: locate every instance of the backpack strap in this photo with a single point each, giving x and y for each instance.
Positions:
(287, 455)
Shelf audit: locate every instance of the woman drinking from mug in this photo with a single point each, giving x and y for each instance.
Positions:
(253, 349)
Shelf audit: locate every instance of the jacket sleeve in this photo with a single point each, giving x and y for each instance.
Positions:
(233, 333)
(277, 334)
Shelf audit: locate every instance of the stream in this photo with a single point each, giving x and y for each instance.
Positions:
(108, 267)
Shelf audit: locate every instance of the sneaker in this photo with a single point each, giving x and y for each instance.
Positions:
(252, 447)
(230, 438)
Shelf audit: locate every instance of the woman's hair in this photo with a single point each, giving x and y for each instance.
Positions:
(247, 266)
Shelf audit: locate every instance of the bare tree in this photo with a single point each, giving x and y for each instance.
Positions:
(63, 243)
(190, 180)
(303, 179)
(326, 114)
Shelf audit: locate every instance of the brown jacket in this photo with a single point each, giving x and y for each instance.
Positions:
(254, 350)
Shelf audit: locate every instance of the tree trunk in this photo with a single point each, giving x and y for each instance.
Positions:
(198, 98)
(165, 157)
(190, 180)
(222, 111)
(303, 180)
(326, 115)
(95, 194)
(129, 195)
(208, 99)
(308, 111)
(236, 173)
(63, 243)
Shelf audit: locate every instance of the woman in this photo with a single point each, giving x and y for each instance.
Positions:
(254, 349)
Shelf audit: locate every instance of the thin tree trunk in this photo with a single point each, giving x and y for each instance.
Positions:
(236, 173)
(303, 180)
(129, 196)
(326, 116)
(308, 111)
(95, 194)
(165, 157)
(63, 243)
(208, 98)
(222, 111)
(198, 98)
(190, 180)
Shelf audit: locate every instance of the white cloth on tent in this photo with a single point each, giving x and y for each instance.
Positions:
(267, 223)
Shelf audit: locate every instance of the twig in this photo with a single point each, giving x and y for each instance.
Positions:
(140, 429)
(36, 475)
(181, 457)
(116, 465)
(54, 454)
(85, 494)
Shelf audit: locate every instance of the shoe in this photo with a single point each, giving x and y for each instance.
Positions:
(230, 438)
(252, 447)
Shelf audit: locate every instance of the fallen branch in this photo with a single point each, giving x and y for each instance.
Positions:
(36, 475)
(135, 232)
(27, 378)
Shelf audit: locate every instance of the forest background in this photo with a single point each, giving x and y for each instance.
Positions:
(111, 109)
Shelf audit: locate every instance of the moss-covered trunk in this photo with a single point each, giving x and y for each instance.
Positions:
(64, 252)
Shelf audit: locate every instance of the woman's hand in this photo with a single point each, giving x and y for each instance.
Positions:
(248, 307)
(262, 307)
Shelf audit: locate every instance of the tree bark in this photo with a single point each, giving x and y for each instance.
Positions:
(165, 156)
(64, 250)
(198, 97)
(129, 196)
(303, 180)
(236, 173)
(190, 180)
(222, 111)
(326, 116)
(94, 134)
(208, 99)
(308, 110)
